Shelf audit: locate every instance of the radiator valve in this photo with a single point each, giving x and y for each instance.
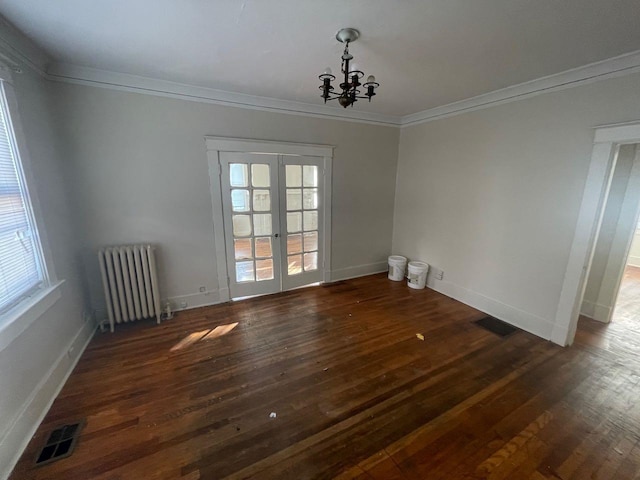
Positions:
(168, 314)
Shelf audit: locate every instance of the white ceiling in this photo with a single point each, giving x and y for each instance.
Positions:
(425, 53)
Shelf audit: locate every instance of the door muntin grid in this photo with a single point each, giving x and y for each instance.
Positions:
(255, 184)
(302, 218)
(252, 221)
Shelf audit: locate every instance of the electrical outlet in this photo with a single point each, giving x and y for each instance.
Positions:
(70, 352)
(183, 304)
(203, 289)
(437, 273)
(88, 316)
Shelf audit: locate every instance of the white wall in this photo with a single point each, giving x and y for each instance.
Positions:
(34, 366)
(618, 224)
(492, 196)
(139, 171)
(634, 251)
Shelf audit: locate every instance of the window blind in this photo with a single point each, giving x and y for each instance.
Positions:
(20, 264)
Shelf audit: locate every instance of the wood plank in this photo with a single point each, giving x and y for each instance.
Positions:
(355, 392)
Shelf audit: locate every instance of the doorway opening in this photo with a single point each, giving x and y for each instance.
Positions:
(612, 290)
(609, 143)
(627, 304)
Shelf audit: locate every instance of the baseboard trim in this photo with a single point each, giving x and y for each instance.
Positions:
(587, 308)
(194, 300)
(358, 271)
(215, 297)
(39, 402)
(633, 261)
(507, 313)
(559, 336)
(595, 311)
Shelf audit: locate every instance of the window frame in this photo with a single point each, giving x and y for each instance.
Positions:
(16, 318)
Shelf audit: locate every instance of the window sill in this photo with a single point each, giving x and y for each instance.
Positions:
(24, 314)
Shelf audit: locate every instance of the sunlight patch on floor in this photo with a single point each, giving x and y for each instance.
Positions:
(210, 334)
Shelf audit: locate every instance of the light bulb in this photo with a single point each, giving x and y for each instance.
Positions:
(353, 67)
(371, 79)
(327, 71)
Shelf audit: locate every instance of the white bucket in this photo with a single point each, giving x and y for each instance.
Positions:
(397, 265)
(417, 274)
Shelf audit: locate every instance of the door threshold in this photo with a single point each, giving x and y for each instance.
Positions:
(238, 299)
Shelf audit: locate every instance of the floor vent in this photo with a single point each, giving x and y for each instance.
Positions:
(61, 443)
(496, 326)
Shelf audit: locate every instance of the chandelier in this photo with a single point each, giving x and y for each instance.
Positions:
(350, 93)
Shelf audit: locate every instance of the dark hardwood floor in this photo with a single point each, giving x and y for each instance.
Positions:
(355, 393)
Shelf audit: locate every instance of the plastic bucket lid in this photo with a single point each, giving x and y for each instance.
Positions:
(397, 259)
(418, 266)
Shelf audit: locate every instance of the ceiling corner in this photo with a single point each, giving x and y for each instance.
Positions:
(21, 50)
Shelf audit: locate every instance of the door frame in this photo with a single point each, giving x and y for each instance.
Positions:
(607, 140)
(623, 235)
(215, 145)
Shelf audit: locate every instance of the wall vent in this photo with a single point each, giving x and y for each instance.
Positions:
(496, 326)
(60, 444)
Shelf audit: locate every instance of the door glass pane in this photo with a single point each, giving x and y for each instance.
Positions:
(293, 175)
(240, 200)
(311, 220)
(310, 241)
(294, 244)
(310, 261)
(310, 175)
(260, 175)
(244, 272)
(238, 175)
(263, 247)
(252, 221)
(241, 225)
(261, 200)
(264, 269)
(243, 248)
(310, 198)
(294, 222)
(294, 264)
(294, 199)
(262, 223)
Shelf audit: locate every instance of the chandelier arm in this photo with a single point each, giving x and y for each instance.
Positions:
(347, 92)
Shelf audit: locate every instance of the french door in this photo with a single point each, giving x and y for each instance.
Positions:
(273, 221)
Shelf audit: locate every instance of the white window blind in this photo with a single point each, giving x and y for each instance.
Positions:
(21, 271)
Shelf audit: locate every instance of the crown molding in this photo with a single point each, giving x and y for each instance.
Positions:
(20, 51)
(612, 67)
(134, 83)
(609, 68)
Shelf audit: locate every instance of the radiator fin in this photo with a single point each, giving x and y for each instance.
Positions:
(130, 282)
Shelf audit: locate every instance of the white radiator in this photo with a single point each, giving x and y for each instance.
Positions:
(130, 282)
